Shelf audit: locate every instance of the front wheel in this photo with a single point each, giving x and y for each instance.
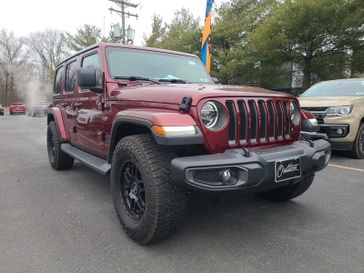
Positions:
(149, 206)
(358, 145)
(288, 192)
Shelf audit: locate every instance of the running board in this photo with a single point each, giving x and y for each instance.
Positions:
(96, 163)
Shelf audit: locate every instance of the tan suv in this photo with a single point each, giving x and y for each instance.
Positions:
(338, 106)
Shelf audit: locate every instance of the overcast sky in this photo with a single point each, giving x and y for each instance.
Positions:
(26, 16)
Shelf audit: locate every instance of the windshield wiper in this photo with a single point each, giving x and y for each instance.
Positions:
(173, 80)
(135, 78)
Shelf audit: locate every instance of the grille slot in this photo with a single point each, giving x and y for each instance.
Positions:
(280, 120)
(288, 119)
(253, 121)
(232, 123)
(243, 122)
(272, 120)
(263, 120)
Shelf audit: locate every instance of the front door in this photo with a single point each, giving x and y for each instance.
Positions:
(89, 108)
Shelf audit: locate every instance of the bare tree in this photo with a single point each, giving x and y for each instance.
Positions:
(49, 47)
(13, 56)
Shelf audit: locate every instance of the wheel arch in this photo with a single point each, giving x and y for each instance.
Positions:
(55, 115)
(130, 125)
(126, 126)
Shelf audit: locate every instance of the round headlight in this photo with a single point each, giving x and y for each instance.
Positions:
(213, 115)
(295, 113)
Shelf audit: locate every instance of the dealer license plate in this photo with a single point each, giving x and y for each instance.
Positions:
(287, 169)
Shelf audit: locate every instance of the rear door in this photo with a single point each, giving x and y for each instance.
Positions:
(69, 97)
(89, 121)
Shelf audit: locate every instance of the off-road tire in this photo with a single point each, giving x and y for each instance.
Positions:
(356, 151)
(288, 192)
(57, 158)
(165, 203)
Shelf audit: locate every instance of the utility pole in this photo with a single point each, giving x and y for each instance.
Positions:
(123, 5)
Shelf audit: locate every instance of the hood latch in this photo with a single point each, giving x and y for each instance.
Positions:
(185, 104)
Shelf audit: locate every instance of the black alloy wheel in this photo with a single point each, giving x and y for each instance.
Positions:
(132, 189)
(149, 205)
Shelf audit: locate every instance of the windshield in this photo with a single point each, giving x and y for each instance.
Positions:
(16, 104)
(340, 88)
(124, 62)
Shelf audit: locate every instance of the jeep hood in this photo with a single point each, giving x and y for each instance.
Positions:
(173, 93)
(329, 101)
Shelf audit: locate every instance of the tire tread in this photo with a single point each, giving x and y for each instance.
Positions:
(168, 202)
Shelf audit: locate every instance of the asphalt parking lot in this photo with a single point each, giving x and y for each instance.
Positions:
(65, 222)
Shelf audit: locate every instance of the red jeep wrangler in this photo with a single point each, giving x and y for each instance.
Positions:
(155, 120)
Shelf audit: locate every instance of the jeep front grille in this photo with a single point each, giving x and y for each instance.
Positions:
(258, 121)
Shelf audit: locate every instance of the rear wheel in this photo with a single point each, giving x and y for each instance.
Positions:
(288, 192)
(57, 158)
(150, 207)
(358, 145)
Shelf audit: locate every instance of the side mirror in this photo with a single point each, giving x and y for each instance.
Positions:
(87, 79)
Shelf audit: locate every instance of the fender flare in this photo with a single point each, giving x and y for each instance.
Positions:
(55, 114)
(147, 124)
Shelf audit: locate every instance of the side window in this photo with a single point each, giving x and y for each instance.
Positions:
(93, 61)
(71, 76)
(57, 82)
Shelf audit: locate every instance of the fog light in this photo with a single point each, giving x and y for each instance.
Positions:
(340, 131)
(227, 177)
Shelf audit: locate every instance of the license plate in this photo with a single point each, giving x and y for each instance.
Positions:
(287, 169)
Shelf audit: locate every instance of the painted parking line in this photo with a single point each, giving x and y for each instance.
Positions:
(346, 168)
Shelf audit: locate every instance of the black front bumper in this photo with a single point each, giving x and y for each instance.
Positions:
(255, 170)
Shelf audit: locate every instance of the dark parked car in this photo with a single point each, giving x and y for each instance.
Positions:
(1, 110)
(17, 108)
(40, 108)
(155, 120)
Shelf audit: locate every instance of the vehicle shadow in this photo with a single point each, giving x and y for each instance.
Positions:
(242, 218)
